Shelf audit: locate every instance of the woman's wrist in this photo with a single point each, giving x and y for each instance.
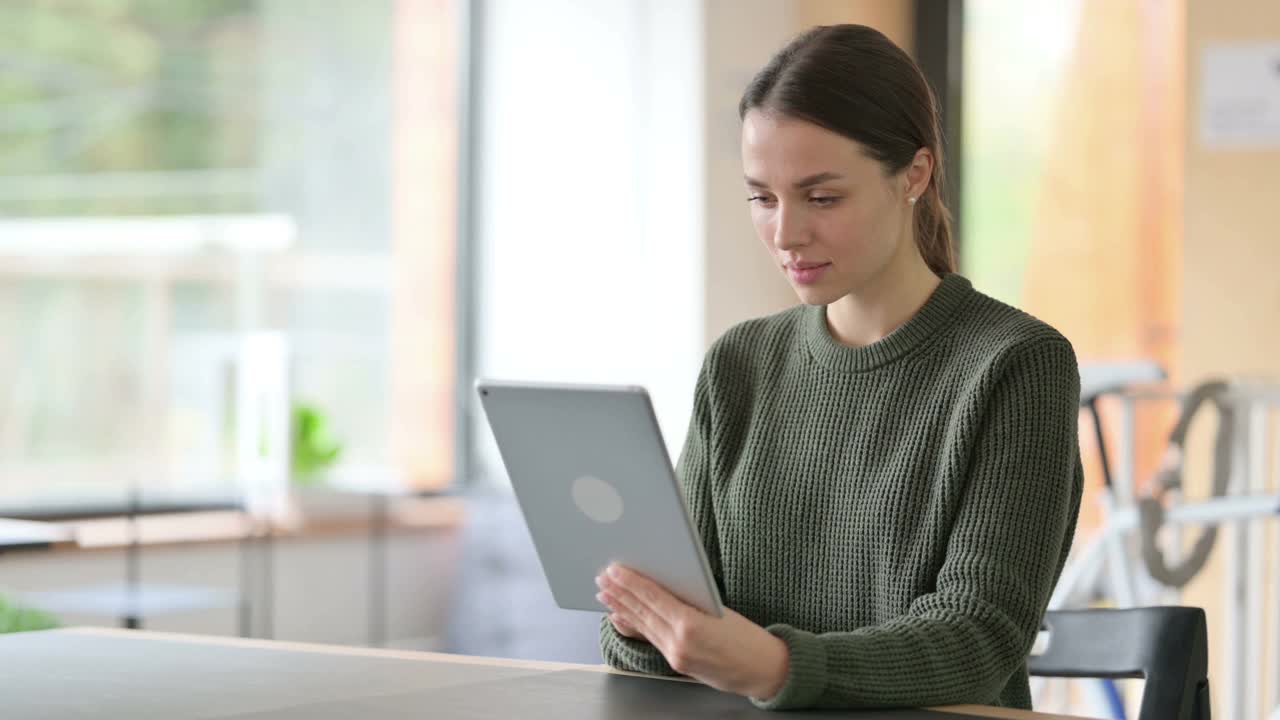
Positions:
(776, 665)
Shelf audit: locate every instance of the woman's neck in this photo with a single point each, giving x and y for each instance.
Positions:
(875, 310)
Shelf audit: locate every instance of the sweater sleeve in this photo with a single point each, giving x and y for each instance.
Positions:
(961, 642)
(693, 470)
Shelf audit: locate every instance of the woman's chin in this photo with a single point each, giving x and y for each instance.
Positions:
(815, 294)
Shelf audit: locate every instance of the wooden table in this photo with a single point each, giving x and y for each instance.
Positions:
(106, 673)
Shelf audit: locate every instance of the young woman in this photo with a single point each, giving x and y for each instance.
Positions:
(886, 476)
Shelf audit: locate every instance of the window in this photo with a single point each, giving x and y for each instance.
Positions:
(175, 177)
(589, 202)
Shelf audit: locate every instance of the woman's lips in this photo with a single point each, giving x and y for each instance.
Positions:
(807, 273)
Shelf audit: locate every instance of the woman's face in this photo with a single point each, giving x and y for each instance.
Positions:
(827, 213)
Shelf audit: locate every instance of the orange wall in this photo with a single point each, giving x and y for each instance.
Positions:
(1231, 270)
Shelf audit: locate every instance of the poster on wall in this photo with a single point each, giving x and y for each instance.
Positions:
(1240, 95)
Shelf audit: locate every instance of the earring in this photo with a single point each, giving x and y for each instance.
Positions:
(911, 200)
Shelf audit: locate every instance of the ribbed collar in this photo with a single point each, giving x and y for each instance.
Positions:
(950, 294)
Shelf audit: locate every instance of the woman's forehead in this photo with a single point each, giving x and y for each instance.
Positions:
(788, 149)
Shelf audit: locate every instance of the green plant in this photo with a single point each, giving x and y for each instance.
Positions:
(19, 619)
(314, 448)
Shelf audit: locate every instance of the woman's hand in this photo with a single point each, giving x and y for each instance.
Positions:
(625, 629)
(729, 653)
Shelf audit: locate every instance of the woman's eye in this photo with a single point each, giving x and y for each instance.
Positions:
(824, 201)
(759, 199)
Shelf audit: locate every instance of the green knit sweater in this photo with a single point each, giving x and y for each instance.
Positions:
(897, 513)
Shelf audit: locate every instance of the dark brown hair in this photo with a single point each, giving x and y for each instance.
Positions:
(852, 80)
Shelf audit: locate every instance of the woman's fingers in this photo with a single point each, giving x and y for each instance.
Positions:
(647, 592)
(629, 608)
(649, 609)
(624, 628)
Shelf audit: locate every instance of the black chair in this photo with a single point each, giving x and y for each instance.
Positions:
(1168, 646)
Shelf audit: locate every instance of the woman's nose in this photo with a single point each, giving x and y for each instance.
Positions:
(788, 230)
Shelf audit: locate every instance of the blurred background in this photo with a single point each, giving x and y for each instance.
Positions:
(253, 254)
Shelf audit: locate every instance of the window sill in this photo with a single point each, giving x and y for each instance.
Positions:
(402, 515)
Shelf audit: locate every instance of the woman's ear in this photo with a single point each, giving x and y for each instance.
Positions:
(918, 173)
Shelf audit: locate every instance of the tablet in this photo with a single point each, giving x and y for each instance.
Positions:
(595, 485)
